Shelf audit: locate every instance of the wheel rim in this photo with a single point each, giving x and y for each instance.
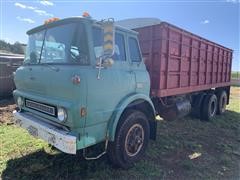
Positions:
(134, 140)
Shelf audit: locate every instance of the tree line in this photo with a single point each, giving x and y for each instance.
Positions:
(16, 48)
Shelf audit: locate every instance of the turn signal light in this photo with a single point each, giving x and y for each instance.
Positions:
(86, 14)
(51, 20)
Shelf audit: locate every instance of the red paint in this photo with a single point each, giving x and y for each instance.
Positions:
(180, 62)
(76, 79)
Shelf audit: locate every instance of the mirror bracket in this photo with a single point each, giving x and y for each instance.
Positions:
(99, 67)
(103, 63)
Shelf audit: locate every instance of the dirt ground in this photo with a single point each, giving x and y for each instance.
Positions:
(7, 106)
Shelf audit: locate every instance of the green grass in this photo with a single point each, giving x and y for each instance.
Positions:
(235, 75)
(218, 141)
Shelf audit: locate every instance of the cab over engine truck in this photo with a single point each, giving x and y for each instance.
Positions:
(85, 81)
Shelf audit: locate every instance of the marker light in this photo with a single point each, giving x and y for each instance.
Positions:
(51, 20)
(86, 14)
(76, 79)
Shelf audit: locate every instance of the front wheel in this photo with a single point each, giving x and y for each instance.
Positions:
(131, 139)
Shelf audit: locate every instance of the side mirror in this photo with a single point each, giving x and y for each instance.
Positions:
(105, 60)
(108, 62)
(108, 38)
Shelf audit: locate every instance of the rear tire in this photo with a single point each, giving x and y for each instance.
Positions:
(209, 107)
(197, 105)
(131, 139)
(222, 102)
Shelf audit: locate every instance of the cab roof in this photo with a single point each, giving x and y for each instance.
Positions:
(71, 20)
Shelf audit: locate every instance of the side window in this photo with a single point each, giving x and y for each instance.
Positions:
(97, 41)
(34, 47)
(120, 53)
(79, 49)
(134, 50)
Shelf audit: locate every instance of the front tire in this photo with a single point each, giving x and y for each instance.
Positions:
(131, 139)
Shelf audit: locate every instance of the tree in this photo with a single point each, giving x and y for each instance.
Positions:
(15, 48)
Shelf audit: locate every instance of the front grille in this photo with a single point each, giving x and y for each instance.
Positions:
(44, 108)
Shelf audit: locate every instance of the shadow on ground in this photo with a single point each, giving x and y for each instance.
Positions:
(42, 165)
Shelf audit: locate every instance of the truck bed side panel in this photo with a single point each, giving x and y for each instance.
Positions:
(180, 62)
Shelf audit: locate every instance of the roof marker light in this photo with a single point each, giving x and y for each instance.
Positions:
(51, 20)
(86, 15)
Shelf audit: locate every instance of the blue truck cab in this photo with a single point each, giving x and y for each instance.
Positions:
(84, 82)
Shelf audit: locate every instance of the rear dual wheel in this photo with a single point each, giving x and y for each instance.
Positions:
(209, 107)
(222, 102)
(213, 105)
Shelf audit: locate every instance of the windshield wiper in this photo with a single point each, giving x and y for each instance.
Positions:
(51, 67)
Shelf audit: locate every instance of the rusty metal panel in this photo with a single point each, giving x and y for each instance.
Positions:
(8, 65)
(180, 62)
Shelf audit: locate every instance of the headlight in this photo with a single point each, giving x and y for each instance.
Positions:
(20, 102)
(62, 114)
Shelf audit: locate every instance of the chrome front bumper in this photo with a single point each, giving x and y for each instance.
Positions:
(36, 127)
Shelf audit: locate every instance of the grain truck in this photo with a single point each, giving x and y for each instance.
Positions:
(85, 82)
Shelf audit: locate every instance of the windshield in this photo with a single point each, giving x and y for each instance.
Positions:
(61, 44)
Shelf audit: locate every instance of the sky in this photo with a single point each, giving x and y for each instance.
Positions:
(216, 20)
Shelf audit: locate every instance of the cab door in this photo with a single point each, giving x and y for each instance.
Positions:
(105, 93)
(137, 66)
